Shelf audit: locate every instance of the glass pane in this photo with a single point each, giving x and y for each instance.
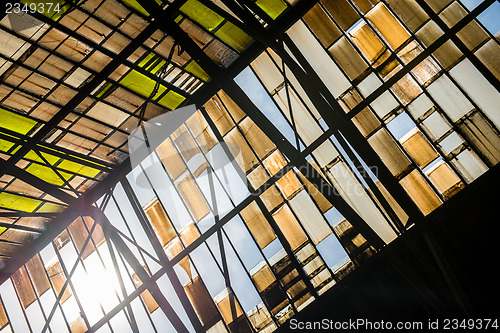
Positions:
(201, 300)
(192, 197)
(445, 180)
(366, 40)
(478, 89)
(258, 225)
(409, 12)
(322, 26)
(488, 54)
(423, 195)
(311, 218)
(469, 165)
(342, 12)
(290, 227)
(389, 152)
(160, 222)
(317, 57)
(418, 148)
(171, 159)
(23, 286)
(482, 135)
(348, 58)
(449, 97)
(388, 26)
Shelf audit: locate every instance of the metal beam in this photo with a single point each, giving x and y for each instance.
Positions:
(419, 58)
(227, 83)
(164, 261)
(461, 45)
(84, 92)
(151, 285)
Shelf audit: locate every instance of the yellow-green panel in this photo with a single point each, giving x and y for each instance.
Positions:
(5, 145)
(201, 14)
(155, 63)
(18, 202)
(32, 156)
(104, 90)
(47, 174)
(16, 122)
(273, 8)
(2, 229)
(50, 207)
(63, 164)
(78, 168)
(195, 69)
(52, 9)
(234, 37)
(133, 4)
(171, 100)
(146, 59)
(141, 84)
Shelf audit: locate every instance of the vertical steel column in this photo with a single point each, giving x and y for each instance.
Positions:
(226, 82)
(150, 284)
(281, 237)
(172, 276)
(337, 120)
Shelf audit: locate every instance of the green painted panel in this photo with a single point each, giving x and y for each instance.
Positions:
(78, 168)
(201, 14)
(133, 4)
(144, 86)
(152, 63)
(234, 37)
(141, 84)
(67, 165)
(16, 122)
(171, 100)
(18, 202)
(47, 174)
(50, 207)
(273, 8)
(32, 156)
(104, 91)
(6, 145)
(195, 69)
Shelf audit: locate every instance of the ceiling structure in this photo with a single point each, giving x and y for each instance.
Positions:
(76, 80)
(388, 110)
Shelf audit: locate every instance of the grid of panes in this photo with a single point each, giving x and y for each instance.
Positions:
(40, 292)
(435, 130)
(268, 270)
(269, 280)
(44, 61)
(57, 61)
(264, 283)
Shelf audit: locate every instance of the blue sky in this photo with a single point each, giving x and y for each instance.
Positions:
(490, 17)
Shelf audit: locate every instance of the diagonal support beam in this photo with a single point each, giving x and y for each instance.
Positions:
(165, 262)
(108, 230)
(226, 82)
(151, 285)
(84, 92)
